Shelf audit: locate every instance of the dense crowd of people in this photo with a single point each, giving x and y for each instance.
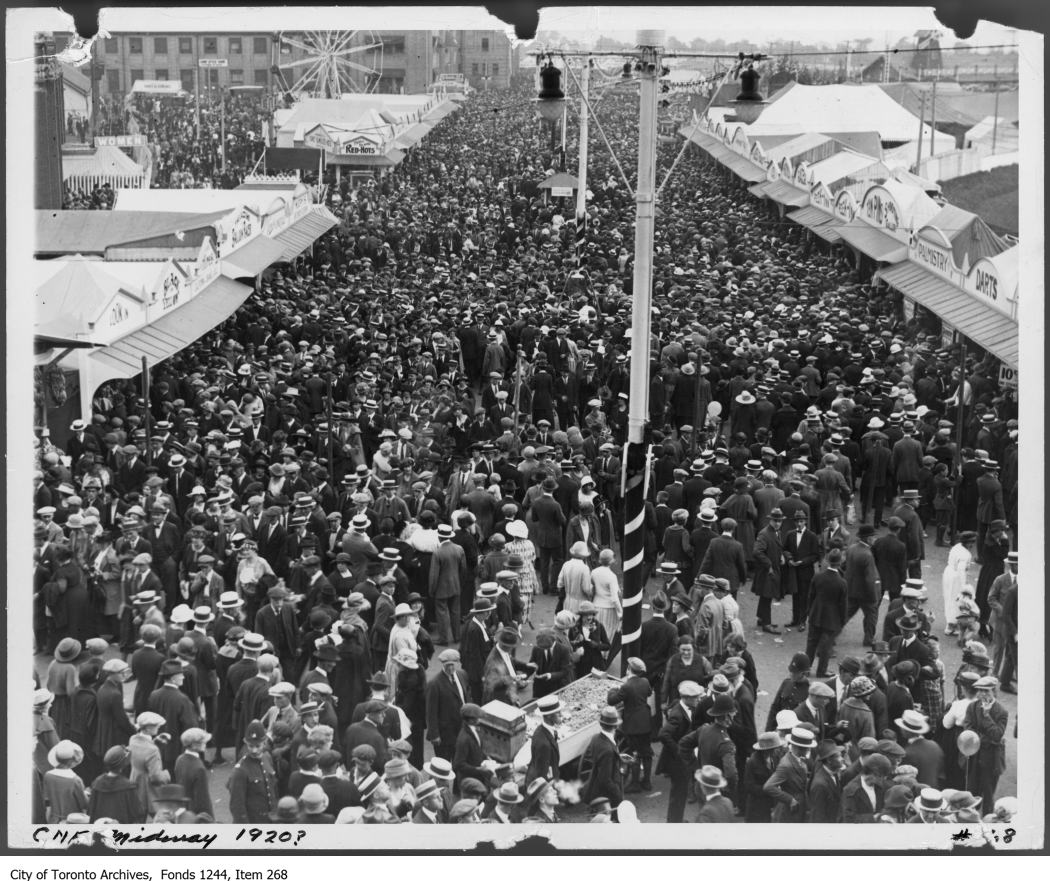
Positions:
(411, 435)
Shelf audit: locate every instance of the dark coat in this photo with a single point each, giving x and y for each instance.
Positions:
(560, 667)
(825, 798)
(861, 574)
(856, 806)
(467, 759)
(443, 706)
(768, 556)
(725, 559)
(658, 641)
(806, 550)
(827, 604)
(365, 732)
(891, 562)
(113, 726)
(678, 722)
(548, 521)
(545, 757)
(605, 778)
(474, 649)
(790, 781)
(634, 695)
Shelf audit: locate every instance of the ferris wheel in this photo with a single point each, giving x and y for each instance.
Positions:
(325, 64)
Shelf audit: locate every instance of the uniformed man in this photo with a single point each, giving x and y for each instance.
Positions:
(253, 783)
(710, 744)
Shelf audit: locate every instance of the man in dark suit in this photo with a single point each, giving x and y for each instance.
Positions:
(908, 647)
(145, 666)
(548, 534)
(911, 533)
(825, 789)
(545, 756)
(178, 711)
(827, 611)
(600, 762)
(657, 642)
(113, 727)
(469, 759)
(989, 503)
(862, 591)
(714, 807)
(368, 731)
(678, 722)
(476, 645)
(891, 559)
(554, 664)
(788, 785)
(132, 473)
(637, 722)
(276, 623)
(725, 557)
(801, 554)
(446, 693)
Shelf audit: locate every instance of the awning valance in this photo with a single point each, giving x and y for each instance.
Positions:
(819, 222)
(878, 245)
(989, 328)
(304, 232)
(782, 192)
(169, 334)
(744, 168)
(251, 259)
(412, 135)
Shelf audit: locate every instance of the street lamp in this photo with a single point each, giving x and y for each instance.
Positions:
(550, 103)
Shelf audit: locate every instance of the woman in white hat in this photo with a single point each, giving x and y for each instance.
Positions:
(519, 544)
(574, 579)
(402, 639)
(64, 791)
(62, 682)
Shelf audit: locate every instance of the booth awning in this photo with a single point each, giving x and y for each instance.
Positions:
(171, 333)
(785, 194)
(744, 168)
(304, 232)
(412, 135)
(759, 189)
(874, 242)
(989, 328)
(718, 151)
(442, 110)
(251, 259)
(389, 159)
(819, 222)
(700, 137)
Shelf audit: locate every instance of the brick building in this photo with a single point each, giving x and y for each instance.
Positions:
(411, 59)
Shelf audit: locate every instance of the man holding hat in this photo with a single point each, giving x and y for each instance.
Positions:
(989, 719)
(446, 693)
(862, 591)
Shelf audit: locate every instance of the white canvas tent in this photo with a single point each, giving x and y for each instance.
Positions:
(797, 109)
(85, 171)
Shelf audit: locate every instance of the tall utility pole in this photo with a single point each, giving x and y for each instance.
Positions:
(922, 116)
(650, 47)
(581, 184)
(933, 115)
(995, 119)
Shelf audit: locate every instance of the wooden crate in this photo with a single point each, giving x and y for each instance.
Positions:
(502, 729)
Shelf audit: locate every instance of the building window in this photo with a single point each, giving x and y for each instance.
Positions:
(160, 75)
(186, 45)
(259, 45)
(235, 46)
(112, 81)
(495, 69)
(111, 45)
(484, 44)
(187, 77)
(393, 45)
(262, 77)
(211, 45)
(474, 68)
(160, 45)
(137, 74)
(135, 45)
(236, 76)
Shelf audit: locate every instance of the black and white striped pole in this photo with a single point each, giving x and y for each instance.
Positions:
(650, 45)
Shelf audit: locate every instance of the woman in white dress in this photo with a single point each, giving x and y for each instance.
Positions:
(528, 582)
(574, 580)
(607, 598)
(960, 558)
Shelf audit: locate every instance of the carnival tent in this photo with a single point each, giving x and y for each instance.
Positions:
(107, 165)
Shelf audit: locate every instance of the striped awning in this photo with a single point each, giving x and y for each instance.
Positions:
(818, 222)
(783, 193)
(170, 333)
(989, 328)
(304, 232)
(879, 246)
